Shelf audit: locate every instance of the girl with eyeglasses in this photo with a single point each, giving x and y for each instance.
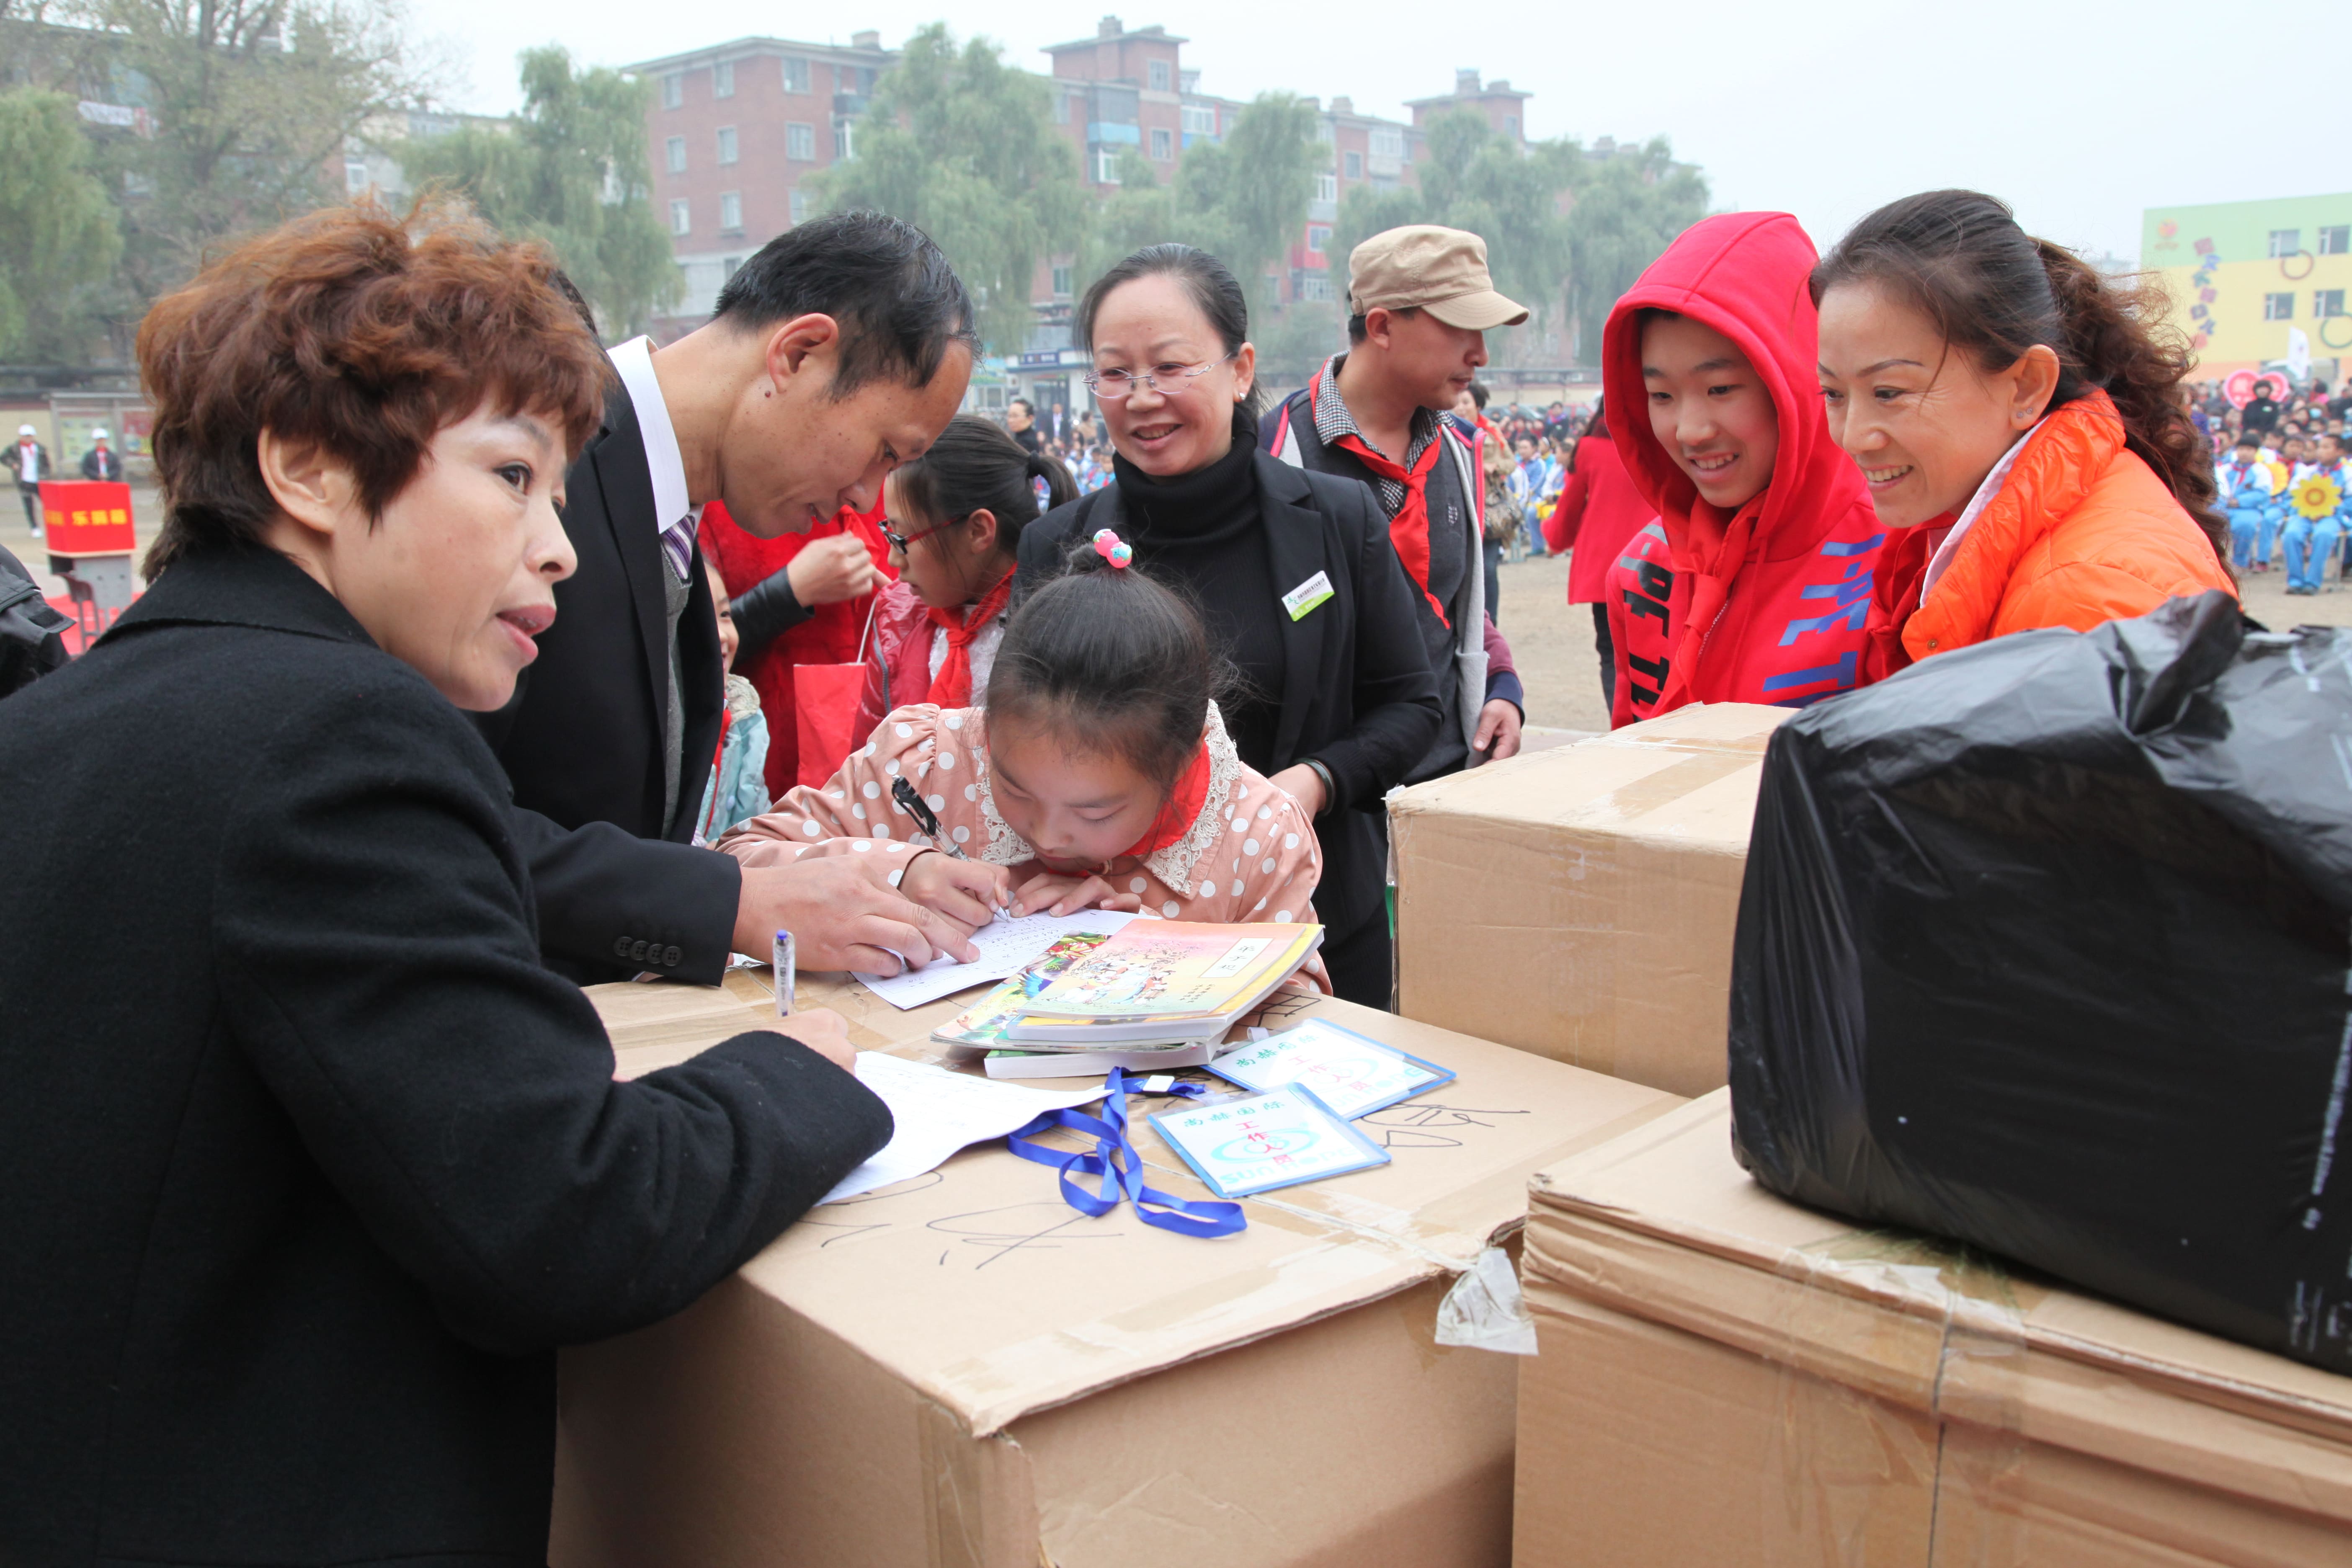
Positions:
(953, 518)
(1298, 585)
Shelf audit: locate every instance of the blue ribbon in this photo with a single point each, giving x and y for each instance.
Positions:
(1120, 1168)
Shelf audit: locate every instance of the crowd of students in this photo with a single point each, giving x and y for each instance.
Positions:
(356, 1143)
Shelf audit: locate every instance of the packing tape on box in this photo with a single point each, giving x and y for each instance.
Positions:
(1841, 1452)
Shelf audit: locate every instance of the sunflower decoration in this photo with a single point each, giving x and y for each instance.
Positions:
(2316, 497)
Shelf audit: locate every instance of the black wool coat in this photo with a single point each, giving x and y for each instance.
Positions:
(307, 1163)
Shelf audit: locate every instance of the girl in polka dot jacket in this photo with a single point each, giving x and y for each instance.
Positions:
(1098, 775)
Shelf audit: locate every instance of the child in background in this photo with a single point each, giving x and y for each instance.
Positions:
(737, 790)
(953, 518)
(1753, 584)
(2246, 488)
(2307, 542)
(1098, 775)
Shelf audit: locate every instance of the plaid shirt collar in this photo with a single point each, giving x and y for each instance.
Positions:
(1332, 421)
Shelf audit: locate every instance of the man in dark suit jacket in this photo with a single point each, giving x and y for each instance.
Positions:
(838, 352)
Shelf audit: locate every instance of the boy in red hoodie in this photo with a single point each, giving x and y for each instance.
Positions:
(1752, 584)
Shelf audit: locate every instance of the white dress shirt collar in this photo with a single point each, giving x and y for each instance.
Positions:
(635, 360)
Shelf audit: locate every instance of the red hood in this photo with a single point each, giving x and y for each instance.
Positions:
(1743, 273)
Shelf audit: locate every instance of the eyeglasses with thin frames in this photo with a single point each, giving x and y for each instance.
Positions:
(901, 542)
(1112, 386)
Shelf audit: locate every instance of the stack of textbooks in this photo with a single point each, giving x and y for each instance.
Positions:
(1158, 995)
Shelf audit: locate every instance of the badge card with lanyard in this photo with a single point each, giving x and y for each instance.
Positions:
(1279, 1138)
(1114, 1162)
(1350, 1073)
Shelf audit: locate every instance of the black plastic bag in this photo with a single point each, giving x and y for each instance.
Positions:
(30, 646)
(2046, 945)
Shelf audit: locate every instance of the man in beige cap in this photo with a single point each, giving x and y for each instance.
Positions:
(1419, 304)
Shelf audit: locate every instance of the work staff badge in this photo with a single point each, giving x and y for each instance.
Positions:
(1303, 599)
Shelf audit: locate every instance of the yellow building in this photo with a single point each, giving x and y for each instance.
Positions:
(2243, 274)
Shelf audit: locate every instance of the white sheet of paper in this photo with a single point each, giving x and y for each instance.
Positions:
(939, 1112)
(1007, 945)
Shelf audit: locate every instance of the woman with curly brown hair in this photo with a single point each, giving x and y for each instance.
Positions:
(306, 1165)
(2018, 420)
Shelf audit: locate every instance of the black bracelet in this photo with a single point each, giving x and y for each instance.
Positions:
(1330, 790)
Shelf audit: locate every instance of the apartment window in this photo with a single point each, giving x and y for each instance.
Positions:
(799, 202)
(733, 264)
(1510, 125)
(1163, 145)
(678, 222)
(1199, 120)
(1352, 163)
(2278, 307)
(1314, 286)
(1318, 235)
(1326, 187)
(722, 79)
(800, 142)
(1106, 166)
(796, 75)
(1388, 142)
(673, 90)
(1062, 102)
(844, 139)
(2286, 241)
(730, 212)
(1156, 73)
(2336, 240)
(1061, 282)
(678, 155)
(727, 143)
(2326, 302)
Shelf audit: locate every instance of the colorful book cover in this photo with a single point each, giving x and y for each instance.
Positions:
(1175, 969)
(983, 1022)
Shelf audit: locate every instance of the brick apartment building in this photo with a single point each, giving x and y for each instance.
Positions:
(734, 129)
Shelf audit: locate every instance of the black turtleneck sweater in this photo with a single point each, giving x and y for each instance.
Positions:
(1201, 531)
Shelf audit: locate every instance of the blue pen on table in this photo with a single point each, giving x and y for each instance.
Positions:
(784, 956)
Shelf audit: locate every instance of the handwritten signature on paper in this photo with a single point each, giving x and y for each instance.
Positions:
(1424, 1124)
(1003, 1237)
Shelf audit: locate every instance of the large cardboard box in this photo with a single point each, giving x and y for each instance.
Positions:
(964, 1371)
(1580, 903)
(1729, 1379)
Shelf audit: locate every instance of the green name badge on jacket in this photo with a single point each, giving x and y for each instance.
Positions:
(1306, 595)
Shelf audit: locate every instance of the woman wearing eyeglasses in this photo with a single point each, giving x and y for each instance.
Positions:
(1293, 570)
(953, 518)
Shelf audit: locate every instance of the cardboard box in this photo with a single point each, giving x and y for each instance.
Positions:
(1580, 903)
(1726, 1378)
(964, 1371)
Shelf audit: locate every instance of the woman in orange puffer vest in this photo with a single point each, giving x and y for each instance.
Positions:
(2020, 426)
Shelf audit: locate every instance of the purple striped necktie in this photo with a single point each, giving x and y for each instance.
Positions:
(677, 543)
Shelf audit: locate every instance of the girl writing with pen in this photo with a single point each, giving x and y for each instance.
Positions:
(1098, 774)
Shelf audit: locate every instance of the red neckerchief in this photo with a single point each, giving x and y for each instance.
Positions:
(953, 689)
(1713, 549)
(1183, 809)
(1409, 529)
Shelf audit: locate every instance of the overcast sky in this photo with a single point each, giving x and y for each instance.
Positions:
(2080, 115)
